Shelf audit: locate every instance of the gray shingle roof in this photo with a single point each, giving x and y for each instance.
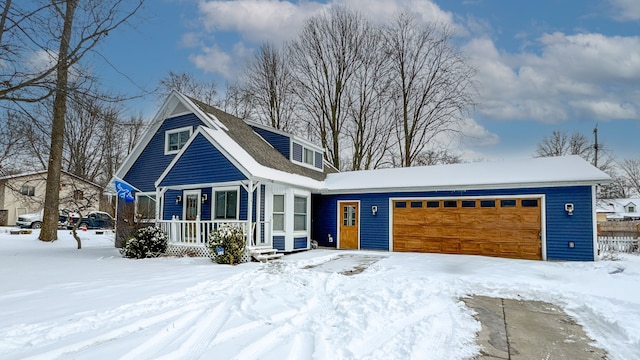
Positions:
(257, 147)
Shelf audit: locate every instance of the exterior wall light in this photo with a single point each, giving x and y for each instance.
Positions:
(568, 207)
(178, 199)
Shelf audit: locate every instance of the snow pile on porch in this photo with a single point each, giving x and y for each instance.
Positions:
(57, 302)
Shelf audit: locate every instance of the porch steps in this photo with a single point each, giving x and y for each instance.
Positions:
(264, 254)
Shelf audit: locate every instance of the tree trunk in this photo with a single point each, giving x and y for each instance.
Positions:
(49, 231)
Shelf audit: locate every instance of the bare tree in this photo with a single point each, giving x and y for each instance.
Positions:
(270, 84)
(631, 173)
(237, 101)
(49, 230)
(437, 157)
(369, 124)
(432, 83)
(559, 143)
(12, 139)
(185, 83)
(325, 57)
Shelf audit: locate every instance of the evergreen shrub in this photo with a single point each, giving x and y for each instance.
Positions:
(146, 242)
(227, 244)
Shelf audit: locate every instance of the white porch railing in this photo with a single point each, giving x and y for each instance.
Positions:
(196, 232)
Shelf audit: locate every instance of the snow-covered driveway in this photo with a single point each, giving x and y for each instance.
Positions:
(57, 302)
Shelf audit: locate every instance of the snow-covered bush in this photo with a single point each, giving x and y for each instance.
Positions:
(227, 244)
(146, 242)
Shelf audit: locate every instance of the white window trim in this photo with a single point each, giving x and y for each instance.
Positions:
(146, 195)
(305, 164)
(284, 213)
(184, 203)
(214, 198)
(174, 131)
(308, 213)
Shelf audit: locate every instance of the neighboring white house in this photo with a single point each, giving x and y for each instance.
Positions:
(24, 194)
(618, 209)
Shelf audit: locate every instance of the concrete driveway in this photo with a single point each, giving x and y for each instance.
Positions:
(515, 329)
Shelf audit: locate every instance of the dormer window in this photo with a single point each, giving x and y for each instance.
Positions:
(307, 156)
(175, 139)
(631, 208)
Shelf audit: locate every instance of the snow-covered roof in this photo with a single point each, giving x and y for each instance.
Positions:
(549, 171)
(616, 209)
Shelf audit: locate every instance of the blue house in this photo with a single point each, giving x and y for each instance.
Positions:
(198, 167)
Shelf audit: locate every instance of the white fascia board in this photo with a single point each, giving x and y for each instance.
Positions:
(204, 132)
(506, 186)
(254, 170)
(268, 128)
(292, 137)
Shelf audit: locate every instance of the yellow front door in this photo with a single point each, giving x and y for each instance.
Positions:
(349, 225)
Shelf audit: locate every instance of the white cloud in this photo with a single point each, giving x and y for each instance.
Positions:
(278, 20)
(476, 134)
(213, 60)
(583, 75)
(626, 10)
(258, 20)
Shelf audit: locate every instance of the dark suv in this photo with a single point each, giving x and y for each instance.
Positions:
(92, 220)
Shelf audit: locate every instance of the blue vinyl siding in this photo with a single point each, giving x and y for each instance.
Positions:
(152, 161)
(170, 206)
(300, 243)
(280, 142)
(206, 206)
(202, 163)
(173, 209)
(278, 242)
(560, 227)
(297, 152)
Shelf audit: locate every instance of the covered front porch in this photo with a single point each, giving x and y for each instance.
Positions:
(189, 237)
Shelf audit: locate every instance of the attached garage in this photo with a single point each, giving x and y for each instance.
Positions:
(539, 209)
(504, 226)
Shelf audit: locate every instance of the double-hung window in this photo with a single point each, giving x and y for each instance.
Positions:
(309, 156)
(176, 139)
(226, 204)
(278, 212)
(146, 206)
(28, 190)
(300, 213)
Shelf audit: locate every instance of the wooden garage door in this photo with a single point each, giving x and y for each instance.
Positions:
(493, 227)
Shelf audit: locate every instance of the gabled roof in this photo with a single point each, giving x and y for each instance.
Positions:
(243, 160)
(536, 172)
(44, 173)
(235, 128)
(260, 150)
(175, 104)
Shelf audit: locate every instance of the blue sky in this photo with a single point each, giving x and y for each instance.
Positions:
(542, 65)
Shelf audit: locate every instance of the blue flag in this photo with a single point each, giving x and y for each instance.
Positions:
(124, 190)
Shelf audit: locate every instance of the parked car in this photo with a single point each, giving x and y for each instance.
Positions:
(92, 220)
(34, 220)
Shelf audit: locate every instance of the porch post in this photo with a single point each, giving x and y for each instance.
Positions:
(249, 213)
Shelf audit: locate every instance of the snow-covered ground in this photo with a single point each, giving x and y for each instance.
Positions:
(57, 302)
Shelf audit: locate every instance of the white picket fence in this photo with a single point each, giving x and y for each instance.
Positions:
(617, 244)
